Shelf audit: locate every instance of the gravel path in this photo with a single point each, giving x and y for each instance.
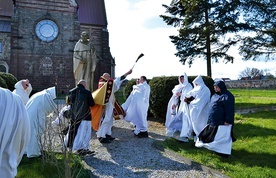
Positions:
(132, 157)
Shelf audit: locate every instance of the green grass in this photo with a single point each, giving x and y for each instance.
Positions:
(53, 166)
(254, 153)
(253, 98)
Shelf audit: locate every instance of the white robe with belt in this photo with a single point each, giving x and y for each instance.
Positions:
(38, 107)
(136, 107)
(199, 108)
(179, 122)
(14, 132)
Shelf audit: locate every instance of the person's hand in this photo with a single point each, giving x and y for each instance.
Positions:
(178, 94)
(173, 106)
(129, 72)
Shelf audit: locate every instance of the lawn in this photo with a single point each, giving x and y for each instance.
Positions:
(252, 98)
(254, 153)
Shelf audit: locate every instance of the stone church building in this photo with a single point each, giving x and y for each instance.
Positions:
(37, 39)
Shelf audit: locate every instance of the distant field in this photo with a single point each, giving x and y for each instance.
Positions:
(253, 98)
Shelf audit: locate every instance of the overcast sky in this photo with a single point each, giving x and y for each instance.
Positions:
(135, 27)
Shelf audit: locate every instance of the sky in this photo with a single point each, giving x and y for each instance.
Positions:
(135, 27)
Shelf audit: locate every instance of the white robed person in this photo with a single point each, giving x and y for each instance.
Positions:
(198, 99)
(136, 107)
(177, 125)
(23, 88)
(14, 131)
(38, 107)
(128, 100)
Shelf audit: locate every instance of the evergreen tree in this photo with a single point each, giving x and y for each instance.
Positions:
(260, 15)
(207, 29)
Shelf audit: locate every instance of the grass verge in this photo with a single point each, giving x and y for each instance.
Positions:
(54, 167)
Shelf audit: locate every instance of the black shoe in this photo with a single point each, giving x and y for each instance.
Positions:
(143, 135)
(104, 140)
(109, 137)
(89, 152)
(81, 152)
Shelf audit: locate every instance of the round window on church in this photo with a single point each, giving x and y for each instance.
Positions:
(46, 30)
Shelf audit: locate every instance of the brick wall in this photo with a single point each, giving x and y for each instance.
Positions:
(47, 64)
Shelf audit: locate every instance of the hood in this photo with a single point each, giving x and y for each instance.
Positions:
(198, 80)
(52, 92)
(19, 85)
(221, 85)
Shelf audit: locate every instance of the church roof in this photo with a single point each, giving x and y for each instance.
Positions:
(92, 12)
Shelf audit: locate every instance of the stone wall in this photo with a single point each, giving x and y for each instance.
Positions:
(5, 55)
(269, 84)
(45, 64)
(50, 63)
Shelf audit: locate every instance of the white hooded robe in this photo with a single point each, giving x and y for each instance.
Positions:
(178, 122)
(38, 107)
(14, 132)
(136, 107)
(24, 94)
(199, 106)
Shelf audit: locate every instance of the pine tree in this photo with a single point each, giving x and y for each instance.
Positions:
(207, 29)
(260, 15)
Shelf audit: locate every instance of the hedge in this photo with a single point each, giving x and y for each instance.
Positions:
(9, 80)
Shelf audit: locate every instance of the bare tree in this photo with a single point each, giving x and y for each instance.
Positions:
(251, 73)
(51, 142)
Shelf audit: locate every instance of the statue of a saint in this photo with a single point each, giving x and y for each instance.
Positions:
(85, 61)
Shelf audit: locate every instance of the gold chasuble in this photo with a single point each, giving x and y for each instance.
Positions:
(101, 97)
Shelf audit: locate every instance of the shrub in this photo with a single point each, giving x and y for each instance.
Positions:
(3, 83)
(10, 80)
(128, 87)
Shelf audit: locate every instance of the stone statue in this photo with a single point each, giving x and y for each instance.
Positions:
(73, 3)
(85, 61)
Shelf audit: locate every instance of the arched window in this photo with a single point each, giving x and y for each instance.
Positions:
(4, 67)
